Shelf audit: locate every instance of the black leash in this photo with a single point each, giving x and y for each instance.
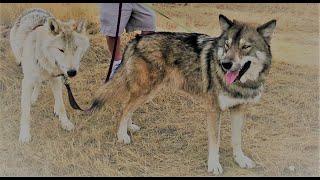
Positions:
(115, 44)
(72, 101)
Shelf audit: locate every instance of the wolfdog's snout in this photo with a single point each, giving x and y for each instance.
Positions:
(227, 65)
(231, 66)
(72, 72)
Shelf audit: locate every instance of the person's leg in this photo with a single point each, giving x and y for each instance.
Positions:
(110, 44)
(109, 21)
(117, 56)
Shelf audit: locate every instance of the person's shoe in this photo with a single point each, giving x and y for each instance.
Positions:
(115, 67)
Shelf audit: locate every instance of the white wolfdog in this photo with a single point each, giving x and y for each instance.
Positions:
(46, 48)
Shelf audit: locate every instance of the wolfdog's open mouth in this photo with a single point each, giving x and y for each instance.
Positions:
(231, 76)
(244, 69)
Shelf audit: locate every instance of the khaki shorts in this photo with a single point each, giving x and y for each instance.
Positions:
(134, 16)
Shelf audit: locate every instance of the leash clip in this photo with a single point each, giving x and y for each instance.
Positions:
(66, 81)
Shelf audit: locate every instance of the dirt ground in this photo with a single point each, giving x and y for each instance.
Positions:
(281, 133)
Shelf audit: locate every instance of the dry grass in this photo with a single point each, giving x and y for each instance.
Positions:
(281, 131)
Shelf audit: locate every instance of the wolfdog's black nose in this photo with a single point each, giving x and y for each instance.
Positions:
(227, 65)
(72, 73)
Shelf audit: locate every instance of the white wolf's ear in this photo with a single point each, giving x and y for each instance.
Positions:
(53, 26)
(81, 26)
(225, 23)
(267, 29)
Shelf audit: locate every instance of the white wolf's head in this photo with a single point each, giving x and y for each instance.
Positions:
(66, 44)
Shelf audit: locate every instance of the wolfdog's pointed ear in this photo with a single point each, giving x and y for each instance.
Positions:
(267, 29)
(81, 26)
(53, 26)
(225, 23)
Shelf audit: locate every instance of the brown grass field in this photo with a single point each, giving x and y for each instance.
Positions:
(281, 133)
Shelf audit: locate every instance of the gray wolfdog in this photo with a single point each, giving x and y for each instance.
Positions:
(46, 48)
(226, 72)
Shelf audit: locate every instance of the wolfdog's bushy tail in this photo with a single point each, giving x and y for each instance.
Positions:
(117, 88)
(114, 89)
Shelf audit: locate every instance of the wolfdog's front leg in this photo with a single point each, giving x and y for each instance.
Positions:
(213, 157)
(27, 86)
(236, 126)
(59, 109)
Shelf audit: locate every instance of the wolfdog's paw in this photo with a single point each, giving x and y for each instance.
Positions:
(124, 138)
(133, 128)
(244, 162)
(55, 111)
(215, 167)
(24, 136)
(55, 114)
(67, 125)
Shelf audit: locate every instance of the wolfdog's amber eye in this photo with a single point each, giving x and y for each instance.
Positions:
(61, 50)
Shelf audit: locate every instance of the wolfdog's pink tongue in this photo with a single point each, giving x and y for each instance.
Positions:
(231, 76)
